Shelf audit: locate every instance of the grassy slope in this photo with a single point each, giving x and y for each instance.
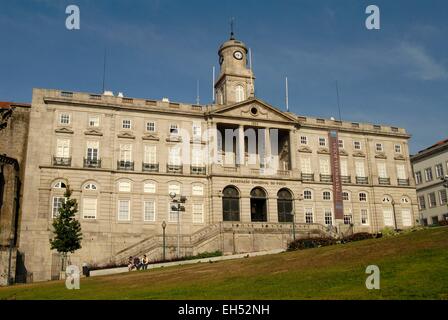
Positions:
(413, 266)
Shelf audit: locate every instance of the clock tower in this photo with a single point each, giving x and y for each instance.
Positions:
(236, 81)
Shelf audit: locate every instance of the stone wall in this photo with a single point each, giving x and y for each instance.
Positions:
(4, 265)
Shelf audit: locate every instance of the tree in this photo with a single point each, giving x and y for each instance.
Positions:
(67, 229)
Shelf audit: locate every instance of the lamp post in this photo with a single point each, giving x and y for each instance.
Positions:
(178, 207)
(164, 246)
(395, 218)
(11, 243)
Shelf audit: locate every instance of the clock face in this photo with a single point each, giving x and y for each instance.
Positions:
(238, 55)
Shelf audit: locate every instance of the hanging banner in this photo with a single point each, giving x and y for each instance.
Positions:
(336, 172)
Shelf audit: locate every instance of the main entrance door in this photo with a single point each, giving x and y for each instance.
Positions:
(258, 205)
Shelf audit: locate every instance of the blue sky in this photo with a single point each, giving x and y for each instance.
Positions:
(397, 75)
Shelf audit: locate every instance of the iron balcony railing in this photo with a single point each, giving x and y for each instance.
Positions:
(346, 179)
(150, 167)
(199, 170)
(92, 163)
(403, 182)
(326, 178)
(307, 176)
(362, 180)
(61, 161)
(384, 181)
(172, 168)
(125, 165)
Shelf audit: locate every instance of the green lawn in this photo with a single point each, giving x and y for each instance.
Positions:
(413, 266)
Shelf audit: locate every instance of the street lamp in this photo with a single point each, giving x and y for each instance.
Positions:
(395, 218)
(164, 246)
(178, 207)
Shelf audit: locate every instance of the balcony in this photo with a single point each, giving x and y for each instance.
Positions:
(384, 181)
(125, 165)
(172, 168)
(326, 178)
(284, 173)
(63, 162)
(346, 179)
(362, 180)
(198, 170)
(92, 163)
(307, 176)
(403, 182)
(150, 167)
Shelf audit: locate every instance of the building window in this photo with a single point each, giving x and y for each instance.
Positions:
(357, 145)
(174, 128)
(379, 147)
(328, 216)
(306, 165)
(309, 215)
(344, 168)
(401, 171)
(345, 196)
(347, 218)
(174, 156)
(364, 217)
(405, 200)
(382, 170)
(126, 124)
(432, 200)
(418, 177)
(198, 190)
(196, 157)
(397, 148)
(231, 204)
(124, 210)
(57, 203)
(92, 150)
(89, 208)
(362, 197)
(149, 211)
(324, 166)
(428, 174)
(307, 195)
(126, 152)
(359, 167)
(198, 213)
(421, 202)
(386, 199)
(322, 142)
(63, 148)
(94, 121)
(64, 119)
(303, 140)
(91, 186)
(406, 218)
(150, 155)
(149, 187)
(59, 185)
(443, 197)
(151, 126)
(174, 188)
(239, 93)
(326, 195)
(439, 170)
(388, 217)
(341, 144)
(197, 131)
(124, 186)
(284, 206)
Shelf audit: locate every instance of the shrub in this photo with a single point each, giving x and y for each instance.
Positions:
(443, 223)
(359, 236)
(300, 244)
(388, 232)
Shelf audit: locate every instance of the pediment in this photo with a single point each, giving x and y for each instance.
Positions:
(359, 154)
(153, 137)
(399, 157)
(323, 151)
(254, 109)
(380, 155)
(93, 132)
(343, 153)
(305, 149)
(64, 130)
(126, 135)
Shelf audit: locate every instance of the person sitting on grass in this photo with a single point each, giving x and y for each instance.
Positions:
(130, 264)
(137, 264)
(145, 262)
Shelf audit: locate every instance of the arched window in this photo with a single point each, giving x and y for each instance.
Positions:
(239, 93)
(124, 186)
(345, 196)
(231, 204)
(405, 200)
(326, 195)
(284, 206)
(363, 197)
(258, 205)
(59, 185)
(90, 186)
(387, 199)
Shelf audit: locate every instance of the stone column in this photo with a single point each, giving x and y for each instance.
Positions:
(241, 155)
(267, 148)
(292, 150)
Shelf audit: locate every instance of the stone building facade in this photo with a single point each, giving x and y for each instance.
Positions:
(247, 170)
(430, 168)
(14, 120)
